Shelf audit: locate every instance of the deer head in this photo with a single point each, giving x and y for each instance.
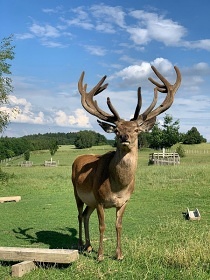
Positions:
(127, 131)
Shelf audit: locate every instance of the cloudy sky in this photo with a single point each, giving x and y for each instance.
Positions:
(56, 40)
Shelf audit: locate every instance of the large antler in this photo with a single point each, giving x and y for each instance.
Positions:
(91, 105)
(167, 88)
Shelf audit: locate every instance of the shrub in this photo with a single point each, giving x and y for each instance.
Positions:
(181, 151)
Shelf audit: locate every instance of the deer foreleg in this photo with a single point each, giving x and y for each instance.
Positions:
(119, 215)
(80, 219)
(101, 219)
(86, 214)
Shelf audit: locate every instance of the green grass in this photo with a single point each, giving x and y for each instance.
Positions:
(158, 243)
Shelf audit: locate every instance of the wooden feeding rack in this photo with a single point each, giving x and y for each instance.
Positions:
(164, 158)
(10, 199)
(31, 256)
(50, 163)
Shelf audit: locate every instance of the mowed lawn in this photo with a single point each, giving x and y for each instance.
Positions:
(158, 243)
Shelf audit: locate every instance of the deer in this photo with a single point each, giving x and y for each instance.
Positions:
(104, 181)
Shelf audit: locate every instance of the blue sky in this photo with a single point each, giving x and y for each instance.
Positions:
(56, 40)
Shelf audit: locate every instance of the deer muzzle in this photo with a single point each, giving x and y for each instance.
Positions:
(124, 139)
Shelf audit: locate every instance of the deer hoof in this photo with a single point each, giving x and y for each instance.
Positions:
(119, 257)
(100, 258)
(89, 249)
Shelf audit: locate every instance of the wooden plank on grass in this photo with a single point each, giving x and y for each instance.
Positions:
(19, 269)
(38, 254)
(10, 199)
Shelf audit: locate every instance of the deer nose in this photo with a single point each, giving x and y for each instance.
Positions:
(124, 137)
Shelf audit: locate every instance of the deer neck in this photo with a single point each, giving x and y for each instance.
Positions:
(123, 166)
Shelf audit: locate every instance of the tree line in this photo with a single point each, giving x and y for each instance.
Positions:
(12, 147)
(167, 134)
(164, 136)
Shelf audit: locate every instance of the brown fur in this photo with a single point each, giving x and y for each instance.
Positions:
(104, 181)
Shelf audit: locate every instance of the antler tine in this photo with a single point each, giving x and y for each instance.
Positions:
(152, 105)
(161, 87)
(112, 109)
(179, 78)
(138, 106)
(91, 105)
(167, 88)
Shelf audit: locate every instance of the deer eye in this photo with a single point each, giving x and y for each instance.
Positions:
(116, 131)
(136, 130)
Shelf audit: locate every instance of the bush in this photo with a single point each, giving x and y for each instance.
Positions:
(181, 151)
(27, 155)
(4, 177)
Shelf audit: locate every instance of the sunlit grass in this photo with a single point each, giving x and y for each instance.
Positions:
(158, 243)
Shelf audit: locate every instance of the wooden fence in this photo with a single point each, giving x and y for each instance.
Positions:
(7, 160)
(164, 158)
(26, 163)
(50, 163)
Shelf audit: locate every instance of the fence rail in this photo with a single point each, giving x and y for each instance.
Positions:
(50, 163)
(6, 160)
(26, 163)
(164, 158)
(197, 151)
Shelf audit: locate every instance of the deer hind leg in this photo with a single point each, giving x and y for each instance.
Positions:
(119, 215)
(86, 216)
(101, 219)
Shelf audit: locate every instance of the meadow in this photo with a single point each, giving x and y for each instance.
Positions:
(157, 241)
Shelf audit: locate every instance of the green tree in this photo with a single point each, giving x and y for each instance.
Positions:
(181, 151)
(166, 136)
(143, 140)
(155, 137)
(193, 136)
(84, 139)
(170, 132)
(27, 155)
(53, 148)
(6, 53)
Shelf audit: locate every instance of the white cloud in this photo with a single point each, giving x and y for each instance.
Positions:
(51, 44)
(95, 50)
(79, 118)
(141, 26)
(104, 13)
(200, 44)
(80, 19)
(136, 73)
(52, 11)
(44, 31)
(27, 114)
(151, 26)
(24, 36)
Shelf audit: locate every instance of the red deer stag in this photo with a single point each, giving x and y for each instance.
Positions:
(105, 181)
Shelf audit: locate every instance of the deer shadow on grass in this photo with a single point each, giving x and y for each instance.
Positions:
(54, 239)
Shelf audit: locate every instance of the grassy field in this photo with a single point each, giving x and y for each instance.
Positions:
(158, 243)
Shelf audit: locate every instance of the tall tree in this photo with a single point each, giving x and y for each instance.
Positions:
(84, 139)
(6, 53)
(170, 132)
(193, 136)
(53, 148)
(155, 138)
(166, 136)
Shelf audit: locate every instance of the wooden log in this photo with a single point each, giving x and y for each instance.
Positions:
(38, 255)
(19, 269)
(10, 199)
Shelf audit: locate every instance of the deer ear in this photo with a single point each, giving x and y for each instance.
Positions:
(147, 125)
(107, 127)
